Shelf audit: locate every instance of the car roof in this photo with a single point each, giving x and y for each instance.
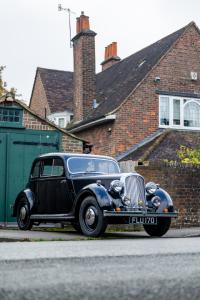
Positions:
(68, 155)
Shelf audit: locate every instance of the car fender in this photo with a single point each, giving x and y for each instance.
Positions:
(166, 200)
(98, 191)
(28, 194)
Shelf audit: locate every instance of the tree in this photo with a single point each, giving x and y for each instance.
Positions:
(189, 156)
(2, 89)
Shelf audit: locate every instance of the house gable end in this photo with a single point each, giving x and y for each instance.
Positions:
(38, 102)
(138, 116)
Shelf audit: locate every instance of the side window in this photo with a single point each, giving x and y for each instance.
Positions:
(46, 167)
(58, 167)
(52, 167)
(36, 170)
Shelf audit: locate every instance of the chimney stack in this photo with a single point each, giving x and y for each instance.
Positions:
(110, 57)
(84, 68)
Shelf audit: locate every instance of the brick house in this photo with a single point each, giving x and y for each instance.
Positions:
(138, 106)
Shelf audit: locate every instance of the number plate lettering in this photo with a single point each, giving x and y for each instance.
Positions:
(143, 220)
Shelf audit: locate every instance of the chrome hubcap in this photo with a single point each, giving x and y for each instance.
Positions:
(90, 216)
(22, 213)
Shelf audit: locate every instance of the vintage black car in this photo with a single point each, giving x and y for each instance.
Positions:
(90, 192)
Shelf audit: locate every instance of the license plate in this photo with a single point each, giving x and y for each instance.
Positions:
(143, 220)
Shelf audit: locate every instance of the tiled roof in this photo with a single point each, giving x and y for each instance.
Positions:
(116, 83)
(146, 141)
(113, 84)
(161, 145)
(168, 147)
(58, 86)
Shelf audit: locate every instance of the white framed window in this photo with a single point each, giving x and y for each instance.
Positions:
(61, 122)
(179, 112)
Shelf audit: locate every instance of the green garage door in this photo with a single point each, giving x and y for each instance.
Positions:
(17, 151)
(2, 175)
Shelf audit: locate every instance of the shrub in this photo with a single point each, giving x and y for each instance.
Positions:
(189, 156)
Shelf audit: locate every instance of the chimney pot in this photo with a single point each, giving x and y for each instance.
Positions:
(110, 57)
(114, 49)
(106, 53)
(77, 25)
(109, 51)
(82, 23)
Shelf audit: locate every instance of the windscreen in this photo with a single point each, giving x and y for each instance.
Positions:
(84, 165)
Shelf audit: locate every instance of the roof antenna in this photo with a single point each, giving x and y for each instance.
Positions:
(60, 8)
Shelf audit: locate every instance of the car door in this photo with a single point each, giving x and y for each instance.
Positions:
(53, 192)
(33, 183)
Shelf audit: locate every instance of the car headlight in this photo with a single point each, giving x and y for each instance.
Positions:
(116, 186)
(156, 201)
(151, 188)
(127, 201)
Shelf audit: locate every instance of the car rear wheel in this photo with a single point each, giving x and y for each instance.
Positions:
(91, 219)
(23, 215)
(160, 229)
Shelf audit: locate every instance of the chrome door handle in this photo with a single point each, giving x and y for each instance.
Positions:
(63, 181)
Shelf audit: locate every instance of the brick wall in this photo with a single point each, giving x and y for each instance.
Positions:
(39, 94)
(101, 137)
(32, 122)
(70, 144)
(138, 116)
(183, 184)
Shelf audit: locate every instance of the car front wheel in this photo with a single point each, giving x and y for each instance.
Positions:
(91, 219)
(23, 215)
(160, 229)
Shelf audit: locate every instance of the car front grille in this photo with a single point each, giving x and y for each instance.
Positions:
(135, 190)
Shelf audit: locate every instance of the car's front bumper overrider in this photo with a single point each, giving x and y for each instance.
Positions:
(108, 213)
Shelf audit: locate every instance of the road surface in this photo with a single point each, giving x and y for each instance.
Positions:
(145, 268)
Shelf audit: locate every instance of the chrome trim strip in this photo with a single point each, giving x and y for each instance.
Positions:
(51, 217)
(107, 213)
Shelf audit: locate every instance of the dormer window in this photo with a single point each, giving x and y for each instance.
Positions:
(179, 112)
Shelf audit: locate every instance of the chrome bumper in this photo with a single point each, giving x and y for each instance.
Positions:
(107, 213)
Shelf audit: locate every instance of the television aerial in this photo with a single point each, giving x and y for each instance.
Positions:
(61, 8)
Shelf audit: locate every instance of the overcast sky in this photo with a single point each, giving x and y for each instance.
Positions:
(34, 33)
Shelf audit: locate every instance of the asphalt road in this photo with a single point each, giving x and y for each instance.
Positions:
(101, 269)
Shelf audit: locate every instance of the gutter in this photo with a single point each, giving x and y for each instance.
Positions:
(104, 120)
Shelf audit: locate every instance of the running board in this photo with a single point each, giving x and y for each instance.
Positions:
(51, 217)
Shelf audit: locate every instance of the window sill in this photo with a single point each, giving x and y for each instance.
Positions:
(11, 125)
(179, 127)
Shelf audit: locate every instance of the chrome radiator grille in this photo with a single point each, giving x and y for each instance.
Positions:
(135, 190)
